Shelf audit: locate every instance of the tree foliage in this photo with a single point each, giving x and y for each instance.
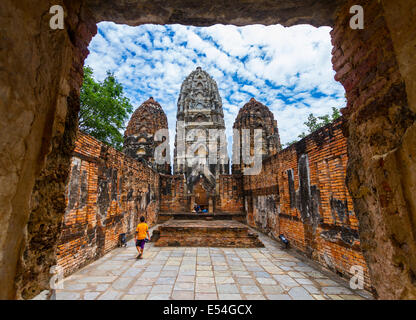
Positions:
(104, 108)
(314, 123)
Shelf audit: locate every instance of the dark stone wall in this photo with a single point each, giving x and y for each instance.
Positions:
(173, 194)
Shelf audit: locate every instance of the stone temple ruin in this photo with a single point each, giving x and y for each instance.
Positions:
(356, 208)
(299, 192)
(139, 137)
(199, 112)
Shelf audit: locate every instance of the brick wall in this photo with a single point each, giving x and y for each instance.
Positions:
(230, 195)
(173, 194)
(301, 193)
(106, 194)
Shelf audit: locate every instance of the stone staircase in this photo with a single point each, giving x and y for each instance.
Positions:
(204, 230)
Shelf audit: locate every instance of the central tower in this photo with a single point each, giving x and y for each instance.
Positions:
(200, 143)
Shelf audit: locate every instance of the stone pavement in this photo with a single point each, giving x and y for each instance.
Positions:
(203, 274)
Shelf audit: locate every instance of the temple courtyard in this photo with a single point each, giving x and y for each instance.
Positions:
(201, 273)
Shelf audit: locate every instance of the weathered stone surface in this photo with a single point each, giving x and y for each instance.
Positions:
(381, 124)
(254, 115)
(151, 283)
(40, 98)
(301, 193)
(204, 13)
(199, 112)
(299, 293)
(200, 153)
(402, 30)
(203, 233)
(139, 137)
(41, 73)
(176, 200)
(106, 194)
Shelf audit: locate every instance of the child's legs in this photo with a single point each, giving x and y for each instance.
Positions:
(138, 246)
(142, 245)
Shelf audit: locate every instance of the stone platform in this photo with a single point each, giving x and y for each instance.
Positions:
(226, 233)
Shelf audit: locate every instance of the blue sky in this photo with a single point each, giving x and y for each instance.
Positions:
(287, 69)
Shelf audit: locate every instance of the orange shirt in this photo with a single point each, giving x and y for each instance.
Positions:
(141, 230)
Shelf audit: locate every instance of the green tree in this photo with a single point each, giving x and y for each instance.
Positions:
(104, 108)
(314, 123)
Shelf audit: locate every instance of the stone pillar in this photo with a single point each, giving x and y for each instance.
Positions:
(381, 134)
(192, 203)
(39, 93)
(210, 205)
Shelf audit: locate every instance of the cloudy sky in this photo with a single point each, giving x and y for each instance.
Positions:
(287, 69)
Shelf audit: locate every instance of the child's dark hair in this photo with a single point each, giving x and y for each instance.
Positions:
(142, 219)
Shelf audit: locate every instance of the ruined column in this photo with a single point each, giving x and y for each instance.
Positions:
(381, 144)
(255, 115)
(144, 135)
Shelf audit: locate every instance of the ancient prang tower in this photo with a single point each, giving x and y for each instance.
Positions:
(254, 115)
(139, 137)
(200, 144)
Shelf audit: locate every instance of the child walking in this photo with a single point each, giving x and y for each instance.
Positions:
(140, 236)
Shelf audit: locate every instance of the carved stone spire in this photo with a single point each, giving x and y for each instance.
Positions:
(199, 111)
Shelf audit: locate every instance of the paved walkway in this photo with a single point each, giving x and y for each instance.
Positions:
(204, 273)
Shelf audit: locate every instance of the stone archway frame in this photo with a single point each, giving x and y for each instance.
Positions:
(40, 97)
